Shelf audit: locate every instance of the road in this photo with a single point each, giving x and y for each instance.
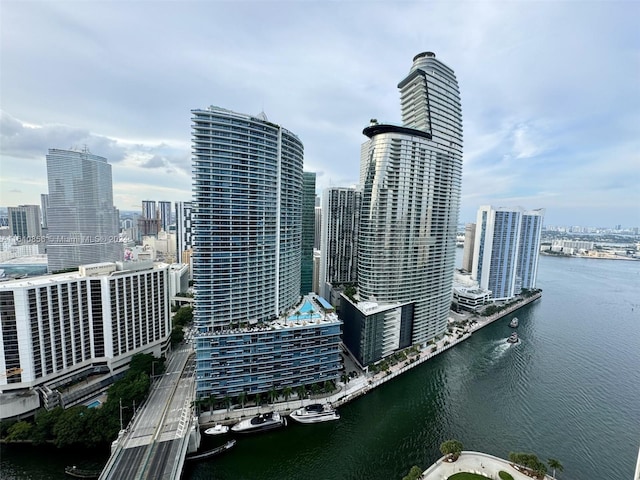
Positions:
(155, 442)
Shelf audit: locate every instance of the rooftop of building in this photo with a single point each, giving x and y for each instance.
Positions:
(27, 260)
(313, 310)
(84, 271)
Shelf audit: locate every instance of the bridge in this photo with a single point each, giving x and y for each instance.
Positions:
(163, 431)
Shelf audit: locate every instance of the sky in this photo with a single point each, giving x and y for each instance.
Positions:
(550, 91)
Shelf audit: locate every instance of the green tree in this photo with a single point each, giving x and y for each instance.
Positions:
(144, 362)
(286, 393)
(414, 474)
(71, 427)
(452, 448)
(555, 465)
(19, 431)
(301, 391)
(44, 423)
(177, 335)
(315, 388)
(242, 397)
(183, 317)
(273, 394)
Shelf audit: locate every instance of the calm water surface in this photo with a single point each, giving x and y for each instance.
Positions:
(569, 390)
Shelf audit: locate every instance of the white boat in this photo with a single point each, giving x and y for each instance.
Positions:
(315, 413)
(264, 421)
(514, 322)
(513, 338)
(217, 430)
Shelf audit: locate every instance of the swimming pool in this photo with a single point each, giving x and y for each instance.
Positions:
(307, 307)
(94, 404)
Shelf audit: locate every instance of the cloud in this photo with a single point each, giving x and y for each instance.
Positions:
(550, 105)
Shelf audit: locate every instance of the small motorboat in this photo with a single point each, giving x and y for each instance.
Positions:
(217, 430)
(514, 322)
(513, 338)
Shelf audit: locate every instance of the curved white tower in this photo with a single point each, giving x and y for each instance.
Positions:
(411, 197)
(247, 215)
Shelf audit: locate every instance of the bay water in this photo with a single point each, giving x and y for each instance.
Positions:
(570, 390)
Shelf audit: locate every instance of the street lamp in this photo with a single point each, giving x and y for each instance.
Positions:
(121, 407)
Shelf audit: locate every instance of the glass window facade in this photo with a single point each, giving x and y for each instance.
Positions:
(411, 196)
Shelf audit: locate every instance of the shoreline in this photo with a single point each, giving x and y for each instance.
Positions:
(631, 259)
(364, 383)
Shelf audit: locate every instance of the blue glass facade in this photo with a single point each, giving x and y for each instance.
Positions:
(259, 359)
(506, 250)
(247, 242)
(247, 218)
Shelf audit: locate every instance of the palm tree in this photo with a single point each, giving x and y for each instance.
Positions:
(227, 402)
(555, 465)
(315, 388)
(286, 393)
(301, 390)
(273, 394)
(242, 398)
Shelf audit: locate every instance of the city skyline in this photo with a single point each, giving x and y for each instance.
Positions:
(540, 128)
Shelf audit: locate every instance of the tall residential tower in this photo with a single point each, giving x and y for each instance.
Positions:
(507, 242)
(411, 195)
(247, 242)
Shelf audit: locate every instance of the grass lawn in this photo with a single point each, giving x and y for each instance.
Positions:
(466, 476)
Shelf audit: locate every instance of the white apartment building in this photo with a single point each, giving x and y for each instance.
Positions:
(57, 329)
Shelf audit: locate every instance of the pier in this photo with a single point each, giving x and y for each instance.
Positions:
(365, 382)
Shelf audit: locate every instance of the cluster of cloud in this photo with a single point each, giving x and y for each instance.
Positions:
(550, 91)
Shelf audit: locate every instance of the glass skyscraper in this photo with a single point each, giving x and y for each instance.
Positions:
(247, 218)
(308, 231)
(411, 180)
(82, 221)
(247, 242)
(505, 258)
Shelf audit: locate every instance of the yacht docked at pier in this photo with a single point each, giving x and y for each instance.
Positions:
(315, 413)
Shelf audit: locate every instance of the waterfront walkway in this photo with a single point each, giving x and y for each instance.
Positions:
(474, 462)
(365, 382)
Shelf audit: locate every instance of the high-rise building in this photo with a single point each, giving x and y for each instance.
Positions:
(83, 224)
(59, 329)
(149, 209)
(469, 242)
(149, 222)
(184, 230)
(529, 248)
(507, 242)
(247, 242)
(164, 210)
(44, 205)
(308, 231)
(247, 217)
(24, 222)
(317, 228)
(411, 180)
(339, 238)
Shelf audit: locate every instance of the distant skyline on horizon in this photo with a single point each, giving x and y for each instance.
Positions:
(551, 109)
